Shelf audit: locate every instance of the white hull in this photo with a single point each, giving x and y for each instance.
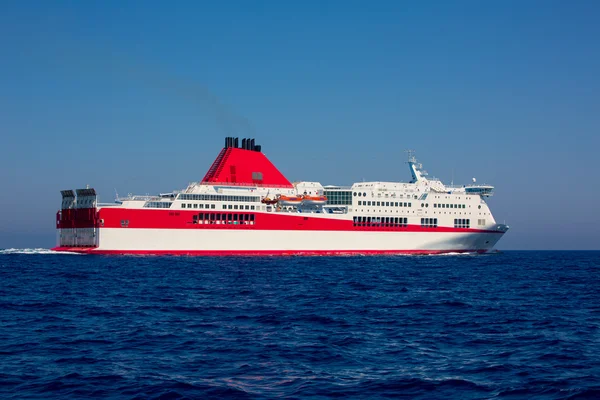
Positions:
(182, 240)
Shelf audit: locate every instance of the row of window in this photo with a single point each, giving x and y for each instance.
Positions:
(338, 197)
(381, 222)
(384, 204)
(212, 206)
(387, 195)
(436, 205)
(196, 205)
(223, 219)
(236, 207)
(158, 204)
(218, 197)
(429, 222)
(462, 223)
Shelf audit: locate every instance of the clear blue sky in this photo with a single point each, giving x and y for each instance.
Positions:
(138, 96)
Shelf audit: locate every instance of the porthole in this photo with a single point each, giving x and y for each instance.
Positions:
(479, 207)
(364, 194)
(354, 193)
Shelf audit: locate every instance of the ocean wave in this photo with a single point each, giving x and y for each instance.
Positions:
(34, 251)
(438, 327)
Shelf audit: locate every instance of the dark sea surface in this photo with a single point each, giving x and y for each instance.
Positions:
(507, 325)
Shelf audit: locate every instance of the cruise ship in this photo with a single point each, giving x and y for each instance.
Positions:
(245, 206)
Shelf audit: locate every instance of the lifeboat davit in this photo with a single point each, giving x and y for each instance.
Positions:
(289, 200)
(314, 200)
(268, 201)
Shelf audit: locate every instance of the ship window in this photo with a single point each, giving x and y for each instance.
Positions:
(195, 205)
(195, 218)
(462, 223)
(410, 204)
(235, 207)
(426, 205)
(229, 217)
(247, 207)
(354, 194)
(229, 206)
(252, 207)
(387, 203)
(212, 206)
(378, 203)
(251, 217)
(182, 205)
(224, 206)
(218, 217)
(429, 222)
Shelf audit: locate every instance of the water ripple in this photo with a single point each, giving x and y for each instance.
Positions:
(508, 325)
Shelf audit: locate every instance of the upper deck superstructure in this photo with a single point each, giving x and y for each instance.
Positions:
(245, 205)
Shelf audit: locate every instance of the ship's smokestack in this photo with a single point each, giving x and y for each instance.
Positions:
(244, 143)
(236, 143)
(257, 148)
(252, 144)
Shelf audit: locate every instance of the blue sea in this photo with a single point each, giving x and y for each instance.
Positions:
(507, 325)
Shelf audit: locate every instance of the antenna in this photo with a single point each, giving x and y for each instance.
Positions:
(411, 156)
(116, 195)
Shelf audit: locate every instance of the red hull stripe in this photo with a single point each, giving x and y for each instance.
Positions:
(258, 252)
(183, 219)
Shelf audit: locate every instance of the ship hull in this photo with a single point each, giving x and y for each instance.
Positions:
(271, 242)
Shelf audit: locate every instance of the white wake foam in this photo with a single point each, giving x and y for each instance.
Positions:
(455, 253)
(34, 251)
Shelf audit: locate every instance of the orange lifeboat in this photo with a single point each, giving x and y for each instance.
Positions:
(289, 200)
(314, 200)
